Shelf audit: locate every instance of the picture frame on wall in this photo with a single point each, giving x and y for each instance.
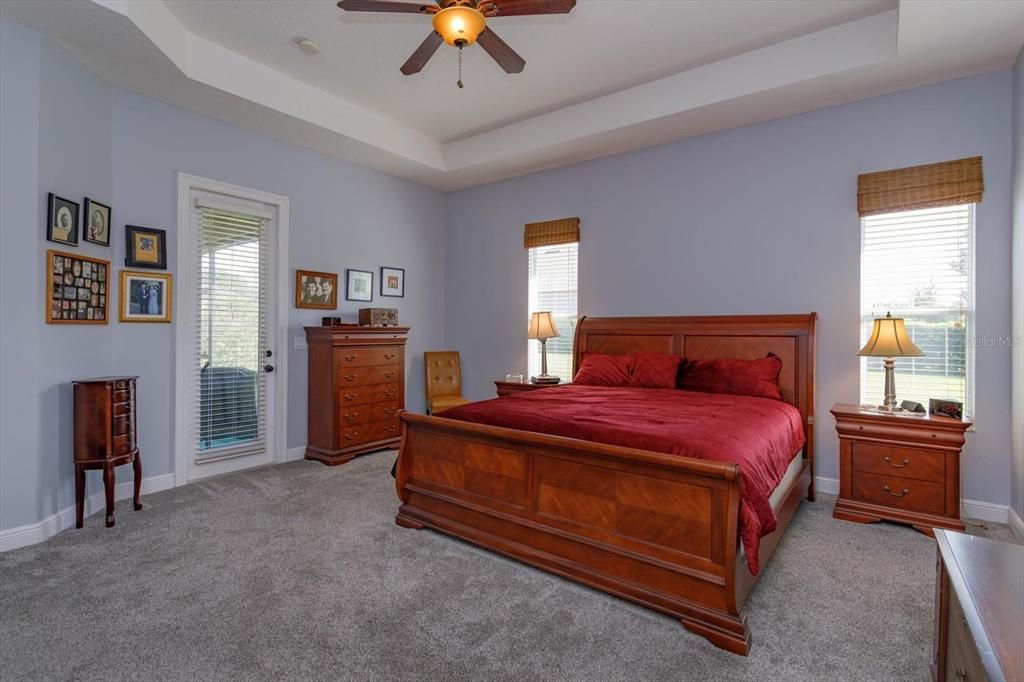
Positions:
(145, 247)
(316, 289)
(146, 296)
(358, 285)
(77, 289)
(96, 222)
(392, 282)
(61, 220)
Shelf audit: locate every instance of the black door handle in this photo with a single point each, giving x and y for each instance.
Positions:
(268, 368)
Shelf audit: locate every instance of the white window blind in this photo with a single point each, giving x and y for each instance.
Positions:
(920, 266)
(553, 286)
(231, 262)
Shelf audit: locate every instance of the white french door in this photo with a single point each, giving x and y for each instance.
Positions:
(230, 351)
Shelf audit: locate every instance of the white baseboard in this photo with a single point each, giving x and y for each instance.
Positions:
(30, 534)
(974, 509)
(1016, 524)
(293, 454)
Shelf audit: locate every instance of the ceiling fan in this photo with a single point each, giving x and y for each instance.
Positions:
(461, 23)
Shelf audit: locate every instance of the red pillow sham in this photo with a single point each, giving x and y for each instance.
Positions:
(604, 370)
(759, 378)
(654, 370)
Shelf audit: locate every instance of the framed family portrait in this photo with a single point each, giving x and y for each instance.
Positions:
(76, 289)
(145, 296)
(392, 282)
(358, 285)
(146, 247)
(96, 225)
(316, 289)
(61, 220)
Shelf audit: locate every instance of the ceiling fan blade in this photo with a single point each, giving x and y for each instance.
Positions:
(518, 8)
(500, 52)
(382, 6)
(422, 54)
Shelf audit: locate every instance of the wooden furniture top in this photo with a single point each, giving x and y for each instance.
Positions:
(745, 337)
(354, 330)
(104, 380)
(988, 578)
(903, 420)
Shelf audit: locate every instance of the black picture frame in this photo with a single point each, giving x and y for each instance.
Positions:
(139, 253)
(59, 209)
(385, 273)
(351, 276)
(90, 209)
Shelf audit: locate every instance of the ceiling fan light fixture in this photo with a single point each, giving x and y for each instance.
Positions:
(459, 25)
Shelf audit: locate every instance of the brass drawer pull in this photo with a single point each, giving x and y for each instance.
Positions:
(390, 428)
(388, 375)
(350, 377)
(351, 436)
(389, 410)
(351, 396)
(391, 392)
(888, 490)
(961, 674)
(350, 358)
(896, 466)
(389, 356)
(351, 415)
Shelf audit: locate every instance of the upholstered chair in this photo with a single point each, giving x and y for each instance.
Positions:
(444, 381)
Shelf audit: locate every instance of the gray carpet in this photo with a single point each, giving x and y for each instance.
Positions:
(298, 572)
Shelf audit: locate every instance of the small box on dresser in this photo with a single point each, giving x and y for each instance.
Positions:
(899, 467)
(356, 389)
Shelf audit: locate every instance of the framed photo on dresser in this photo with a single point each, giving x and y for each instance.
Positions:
(77, 288)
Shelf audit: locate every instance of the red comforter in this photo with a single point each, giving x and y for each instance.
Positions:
(760, 434)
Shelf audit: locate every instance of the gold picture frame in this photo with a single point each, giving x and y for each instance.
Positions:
(146, 296)
(77, 289)
(316, 290)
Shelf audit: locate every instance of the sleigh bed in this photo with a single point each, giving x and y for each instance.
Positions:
(659, 529)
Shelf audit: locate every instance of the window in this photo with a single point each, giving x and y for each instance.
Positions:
(553, 286)
(919, 265)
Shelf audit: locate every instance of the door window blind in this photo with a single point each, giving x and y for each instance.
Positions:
(920, 266)
(232, 267)
(553, 286)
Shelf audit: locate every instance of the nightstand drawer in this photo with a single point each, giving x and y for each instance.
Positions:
(894, 491)
(887, 460)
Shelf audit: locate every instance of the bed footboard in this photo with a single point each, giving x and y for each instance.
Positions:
(655, 529)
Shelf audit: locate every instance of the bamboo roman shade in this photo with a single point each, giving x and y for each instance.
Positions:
(930, 186)
(549, 232)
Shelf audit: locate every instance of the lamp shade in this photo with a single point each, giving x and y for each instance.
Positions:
(889, 339)
(542, 326)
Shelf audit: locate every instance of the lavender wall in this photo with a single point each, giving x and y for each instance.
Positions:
(760, 219)
(65, 130)
(1017, 477)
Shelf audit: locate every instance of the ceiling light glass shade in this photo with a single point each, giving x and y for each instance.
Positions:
(459, 26)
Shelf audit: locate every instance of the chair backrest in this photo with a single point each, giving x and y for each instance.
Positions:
(444, 375)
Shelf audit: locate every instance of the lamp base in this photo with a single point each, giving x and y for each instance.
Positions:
(545, 379)
(889, 408)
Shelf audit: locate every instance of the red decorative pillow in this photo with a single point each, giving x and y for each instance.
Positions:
(604, 370)
(654, 370)
(758, 378)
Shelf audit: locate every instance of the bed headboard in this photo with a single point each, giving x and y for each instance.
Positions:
(791, 337)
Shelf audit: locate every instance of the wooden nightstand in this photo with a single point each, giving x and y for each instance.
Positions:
(900, 468)
(505, 388)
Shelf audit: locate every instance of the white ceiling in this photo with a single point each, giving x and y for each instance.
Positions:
(600, 47)
(613, 75)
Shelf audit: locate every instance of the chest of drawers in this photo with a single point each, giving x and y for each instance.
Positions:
(356, 388)
(899, 468)
(105, 436)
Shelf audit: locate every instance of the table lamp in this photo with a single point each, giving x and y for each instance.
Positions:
(542, 328)
(889, 339)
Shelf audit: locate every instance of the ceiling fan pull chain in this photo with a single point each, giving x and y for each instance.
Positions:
(460, 68)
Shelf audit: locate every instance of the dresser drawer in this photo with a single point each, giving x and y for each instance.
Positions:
(963, 664)
(366, 357)
(365, 395)
(123, 444)
(925, 465)
(124, 395)
(894, 491)
(125, 407)
(123, 424)
(368, 376)
(364, 414)
(370, 433)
